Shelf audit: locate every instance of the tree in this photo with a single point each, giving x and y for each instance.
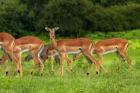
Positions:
(67, 14)
(11, 15)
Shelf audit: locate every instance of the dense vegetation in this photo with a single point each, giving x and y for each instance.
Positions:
(74, 17)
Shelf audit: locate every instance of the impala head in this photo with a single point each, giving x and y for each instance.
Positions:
(51, 31)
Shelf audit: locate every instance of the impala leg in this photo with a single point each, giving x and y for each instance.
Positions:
(69, 63)
(35, 61)
(3, 60)
(89, 56)
(9, 53)
(129, 61)
(120, 57)
(124, 56)
(62, 58)
(19, 64)
(38, 61)
(127, 58)
(16, 59)
(100, 62)
(76, 56)
(7, 69)
(52, 65)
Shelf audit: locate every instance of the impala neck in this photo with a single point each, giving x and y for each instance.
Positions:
(54, 43)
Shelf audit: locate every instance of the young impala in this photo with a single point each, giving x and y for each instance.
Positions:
(71, 46)
(118, 45)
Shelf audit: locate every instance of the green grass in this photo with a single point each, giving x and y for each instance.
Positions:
(131, 34)
(119, 78)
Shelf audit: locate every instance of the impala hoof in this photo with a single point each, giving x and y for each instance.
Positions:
(97, 73)
(87, 73)
(41, 74)
(6, 73)
(31, 73)
(18, 71)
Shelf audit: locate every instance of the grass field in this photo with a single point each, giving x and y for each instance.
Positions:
(119, 78)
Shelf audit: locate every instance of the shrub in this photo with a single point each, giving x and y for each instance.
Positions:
(67, 14)
(115, 18)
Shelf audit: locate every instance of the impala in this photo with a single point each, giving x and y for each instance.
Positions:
(24, 44)
(43, 56)
(71, 46)
(118, 45)
(7, 42)
(33, 44)
(49, 52)
(46, 53)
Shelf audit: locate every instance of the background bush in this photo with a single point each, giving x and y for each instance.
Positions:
(74, 17)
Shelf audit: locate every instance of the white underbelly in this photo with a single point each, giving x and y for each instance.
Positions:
(110, 51)
(1, 43)
(25, 50)
(74, 52)
(56, 54)
(68, 52)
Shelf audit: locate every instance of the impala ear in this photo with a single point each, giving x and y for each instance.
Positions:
(46, 28)
(56, 28)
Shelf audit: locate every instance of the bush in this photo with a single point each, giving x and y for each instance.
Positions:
(67, 14)
(13, 17)
(74, 17)
(115, 18)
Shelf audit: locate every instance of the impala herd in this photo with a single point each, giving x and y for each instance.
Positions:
(60, 49)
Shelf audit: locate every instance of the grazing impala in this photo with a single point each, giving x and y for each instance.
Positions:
(44, 54)
(33, 44)
(48, 52)
(71, 46)
(7, 42)
(118, 45)
(24, 44)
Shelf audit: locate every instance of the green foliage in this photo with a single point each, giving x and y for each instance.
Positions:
(115, 18)
(67, 14)
(19, 16)
(74, 17)
(11, 15)
(107, 3)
